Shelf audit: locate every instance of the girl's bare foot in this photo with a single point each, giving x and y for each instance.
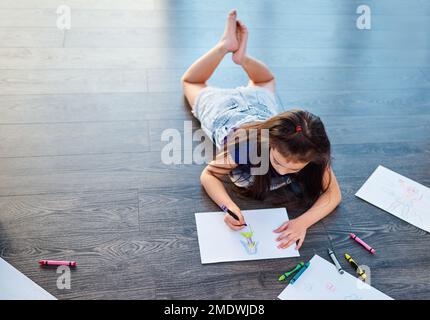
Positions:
(242, 35)
(229, 41)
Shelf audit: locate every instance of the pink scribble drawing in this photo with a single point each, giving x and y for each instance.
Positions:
(405, 202)
(330, 287)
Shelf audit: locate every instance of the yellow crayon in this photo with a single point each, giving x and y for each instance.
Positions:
(361, 273)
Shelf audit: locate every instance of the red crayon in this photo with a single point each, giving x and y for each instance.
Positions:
(57, 263)
(364, 244)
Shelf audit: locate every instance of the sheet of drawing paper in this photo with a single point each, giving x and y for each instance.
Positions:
(218, 243)
(398, 195)
(16, 286)
(322, 281)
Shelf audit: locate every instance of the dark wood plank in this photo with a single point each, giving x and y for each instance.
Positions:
(108, 18)
(205, 37)
(57, 214)
(426, 73)
(378, 129)
(324, 7)
(86, 172)
(80, 4)
(340, 79)
(358, 103)
(66, 108)
(131, 58)
(35, 81)
(125, 18)
(73, 138)
(31, 37)
(360, 160)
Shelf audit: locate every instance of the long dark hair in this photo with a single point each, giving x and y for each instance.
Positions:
(309, 144)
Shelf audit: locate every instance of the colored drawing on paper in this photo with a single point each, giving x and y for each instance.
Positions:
(405, 202)
(398, 195)
(249, 243)
(322, 281)
(330, 287)
(219, 243)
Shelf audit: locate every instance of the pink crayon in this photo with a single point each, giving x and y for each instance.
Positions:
(364, 244)
(57, 263)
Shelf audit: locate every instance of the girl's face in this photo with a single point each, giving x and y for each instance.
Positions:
(282, 165)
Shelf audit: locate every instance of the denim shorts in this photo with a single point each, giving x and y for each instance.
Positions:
(221, 110)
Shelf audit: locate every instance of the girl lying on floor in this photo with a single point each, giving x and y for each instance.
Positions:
(294, 142)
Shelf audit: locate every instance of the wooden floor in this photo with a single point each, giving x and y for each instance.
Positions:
(82, 111)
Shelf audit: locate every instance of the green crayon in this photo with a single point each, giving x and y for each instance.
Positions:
(289, 273)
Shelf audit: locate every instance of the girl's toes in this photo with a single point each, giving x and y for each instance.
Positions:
(229, 39)
(243, 27)
(232, 14)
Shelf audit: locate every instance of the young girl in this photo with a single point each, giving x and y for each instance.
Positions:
(298, 147)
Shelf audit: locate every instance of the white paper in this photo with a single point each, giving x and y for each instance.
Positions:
(16, 286)
(218, 243)
(398, 195)
(322, 281)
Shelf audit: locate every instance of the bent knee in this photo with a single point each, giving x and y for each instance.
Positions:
(184, 81)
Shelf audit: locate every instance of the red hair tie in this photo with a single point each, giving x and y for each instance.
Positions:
(298, 128)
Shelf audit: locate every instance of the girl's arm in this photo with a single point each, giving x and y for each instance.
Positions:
(294, 231)
(211, 182)
(326, 203)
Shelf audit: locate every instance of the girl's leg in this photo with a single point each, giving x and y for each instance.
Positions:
(194, 79)
(258, 73)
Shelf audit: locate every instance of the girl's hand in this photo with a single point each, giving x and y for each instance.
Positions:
(232, 222)
(292, 231)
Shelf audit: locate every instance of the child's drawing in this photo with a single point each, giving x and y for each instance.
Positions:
(330, 287)
(404, 202)
(219, 243)
(249, 244)
(322, 281)
(398, 195)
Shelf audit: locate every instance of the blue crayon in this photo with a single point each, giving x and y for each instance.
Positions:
(298, 274)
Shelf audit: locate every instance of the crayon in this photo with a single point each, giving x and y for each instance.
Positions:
(57, 263)
(299, 273)
(335, 261)
(231, 213)
(289, 273)
(364, 244)
(360, 272)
